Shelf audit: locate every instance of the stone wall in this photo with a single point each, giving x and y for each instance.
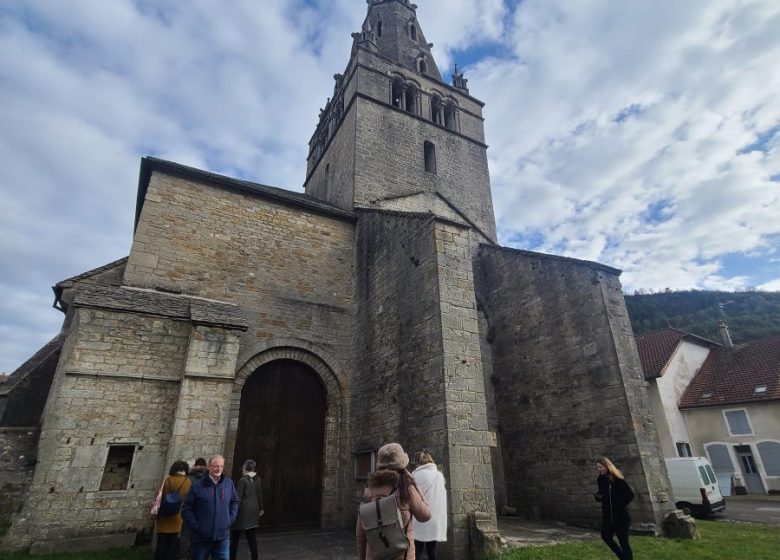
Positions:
(568, 386)
(18, 454)
(419, 379)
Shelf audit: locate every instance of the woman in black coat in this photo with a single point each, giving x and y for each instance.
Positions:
(250, 508)
(614, 495)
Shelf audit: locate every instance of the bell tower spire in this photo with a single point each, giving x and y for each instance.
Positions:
(394, 135)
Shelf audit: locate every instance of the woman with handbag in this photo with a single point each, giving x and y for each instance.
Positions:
(614, 494)
(391, 477)
(168, 523)
(250, 508)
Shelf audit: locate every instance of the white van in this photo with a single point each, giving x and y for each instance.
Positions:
(694, 485)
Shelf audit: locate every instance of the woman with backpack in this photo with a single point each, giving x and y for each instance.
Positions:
(391, 477)
(431, 482)
(614, 494)
(168, 519)
(250, 508)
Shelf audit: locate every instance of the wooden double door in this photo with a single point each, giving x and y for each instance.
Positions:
(282, 428)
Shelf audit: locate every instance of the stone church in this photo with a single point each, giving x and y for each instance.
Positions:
(305, 330)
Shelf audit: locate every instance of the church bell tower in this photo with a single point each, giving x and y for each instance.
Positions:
(395, 136)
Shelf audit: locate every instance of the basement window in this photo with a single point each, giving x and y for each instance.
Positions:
(429, 153)
(365, 463)
(116, 473)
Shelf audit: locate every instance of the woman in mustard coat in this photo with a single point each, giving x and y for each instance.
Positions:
(169, 526)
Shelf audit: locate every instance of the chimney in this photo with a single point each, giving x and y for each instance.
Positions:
(725, 335)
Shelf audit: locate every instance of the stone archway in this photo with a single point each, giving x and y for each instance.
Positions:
(334, 423)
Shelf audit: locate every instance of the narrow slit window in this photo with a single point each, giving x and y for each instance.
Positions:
(379, 28)
(413, 31)
(429, 152)
(116, 473)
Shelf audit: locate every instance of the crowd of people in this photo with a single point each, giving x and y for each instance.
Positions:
(209, 513)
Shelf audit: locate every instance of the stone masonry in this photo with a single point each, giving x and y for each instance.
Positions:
(382, 288)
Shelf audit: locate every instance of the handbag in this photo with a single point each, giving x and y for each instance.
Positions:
(157, 500)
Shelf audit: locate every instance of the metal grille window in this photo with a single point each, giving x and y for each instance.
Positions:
(738, 423)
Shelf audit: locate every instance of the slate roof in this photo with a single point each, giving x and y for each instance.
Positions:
(11, 381)
(656, 348)
(730, 375)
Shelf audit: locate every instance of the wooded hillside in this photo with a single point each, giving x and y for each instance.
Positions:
(749, 315)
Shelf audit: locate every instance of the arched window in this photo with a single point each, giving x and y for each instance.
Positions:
(422, 66)
(429, 155)
(437, 110)
(397, 93)
(413, 31)
(449, 116)
(410, 97)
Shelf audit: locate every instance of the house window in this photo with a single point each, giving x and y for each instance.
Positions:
(683, 449)
(769, 451)
(737, 422)
(116, 473)
(429, 153)
(365, 463)
(719, 457)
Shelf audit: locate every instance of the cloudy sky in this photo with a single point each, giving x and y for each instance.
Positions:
(641, 134)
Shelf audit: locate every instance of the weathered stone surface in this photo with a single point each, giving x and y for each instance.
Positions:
(678, 525)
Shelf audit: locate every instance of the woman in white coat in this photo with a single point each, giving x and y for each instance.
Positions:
(431, 483)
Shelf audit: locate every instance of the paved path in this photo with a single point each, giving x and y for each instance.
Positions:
(339, 544)
(754, 508)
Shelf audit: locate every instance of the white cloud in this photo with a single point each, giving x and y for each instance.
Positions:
(605, 111)
(600, 115)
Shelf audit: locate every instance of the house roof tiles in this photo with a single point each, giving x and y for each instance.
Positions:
(656, 348)
(731, 375)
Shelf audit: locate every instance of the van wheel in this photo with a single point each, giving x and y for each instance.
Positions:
(686, 508)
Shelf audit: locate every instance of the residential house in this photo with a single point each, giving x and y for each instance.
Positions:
(717, 400)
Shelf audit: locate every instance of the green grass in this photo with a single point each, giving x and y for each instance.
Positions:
(720, 540)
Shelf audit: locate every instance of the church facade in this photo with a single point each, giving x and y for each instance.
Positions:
(305, 330)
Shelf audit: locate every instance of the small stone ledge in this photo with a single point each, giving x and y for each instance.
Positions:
(172, 306)
(678, 525)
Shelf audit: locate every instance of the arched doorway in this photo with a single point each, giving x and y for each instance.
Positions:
(282, 427)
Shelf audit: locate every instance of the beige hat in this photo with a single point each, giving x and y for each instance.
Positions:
(392, 456)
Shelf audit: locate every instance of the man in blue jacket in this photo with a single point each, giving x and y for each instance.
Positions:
(209, 511)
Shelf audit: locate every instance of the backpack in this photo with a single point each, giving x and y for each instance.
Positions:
(383, 524)
(171, 502)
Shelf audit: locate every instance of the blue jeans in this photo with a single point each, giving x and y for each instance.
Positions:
(216, 550)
